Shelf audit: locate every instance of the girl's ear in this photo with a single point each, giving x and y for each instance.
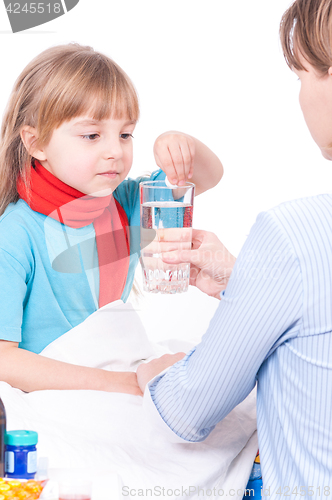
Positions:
(29, 138)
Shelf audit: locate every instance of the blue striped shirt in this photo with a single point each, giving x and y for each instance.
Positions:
(273, 326)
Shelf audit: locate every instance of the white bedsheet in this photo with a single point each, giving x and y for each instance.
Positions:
(108, 431)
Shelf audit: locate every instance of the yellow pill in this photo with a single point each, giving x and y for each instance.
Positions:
(31, 488)
(4, 487)
(2, 497)
(30, 484)
(14, 483)
(23, 494)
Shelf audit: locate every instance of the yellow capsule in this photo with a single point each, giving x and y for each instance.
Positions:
(14, 483)
(30, 484)
(33, 486)
(22, 495)
(32, 489)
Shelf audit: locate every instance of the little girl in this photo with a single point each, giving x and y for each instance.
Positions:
(65, 206)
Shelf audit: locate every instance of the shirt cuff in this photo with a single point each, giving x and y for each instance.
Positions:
(158, 175)
(154, 417)
(12, 334)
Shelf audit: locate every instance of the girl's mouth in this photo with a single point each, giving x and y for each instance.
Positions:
(109, 175)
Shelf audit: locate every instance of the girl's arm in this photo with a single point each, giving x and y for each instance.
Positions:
(185, 158)
(31, 372)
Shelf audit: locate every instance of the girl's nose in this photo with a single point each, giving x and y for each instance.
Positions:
(113, 150)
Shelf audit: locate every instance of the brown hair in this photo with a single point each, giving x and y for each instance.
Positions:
(306, 27)
(61, 83)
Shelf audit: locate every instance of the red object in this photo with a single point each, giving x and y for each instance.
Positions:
(52, 197)
(188, 217)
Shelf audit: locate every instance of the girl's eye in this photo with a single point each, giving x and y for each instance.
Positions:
(126, 136)
(90, 137)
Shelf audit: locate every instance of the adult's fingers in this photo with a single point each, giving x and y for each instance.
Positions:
(156, 247)
(168, 234)
(194, 272)
(200, 236)
(180, 256)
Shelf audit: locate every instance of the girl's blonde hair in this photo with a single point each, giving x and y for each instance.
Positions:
(61, 83)
(306, 29)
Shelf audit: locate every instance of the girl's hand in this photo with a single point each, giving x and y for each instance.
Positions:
(147, 371)
(126, 382)
(174, 153)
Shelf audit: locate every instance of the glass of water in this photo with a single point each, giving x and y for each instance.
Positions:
(166, 225)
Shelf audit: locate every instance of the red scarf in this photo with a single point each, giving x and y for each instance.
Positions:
(52, 197)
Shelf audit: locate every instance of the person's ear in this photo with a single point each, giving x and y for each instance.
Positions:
(330, 71)
(29, 138)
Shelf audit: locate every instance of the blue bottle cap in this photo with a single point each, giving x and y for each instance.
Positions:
(21, 438)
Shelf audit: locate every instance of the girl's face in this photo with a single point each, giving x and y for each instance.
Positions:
(91, 156)
(316, 104)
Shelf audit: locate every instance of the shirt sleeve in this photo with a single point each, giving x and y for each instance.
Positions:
(127, 194)
(260, 309)
(13, 290)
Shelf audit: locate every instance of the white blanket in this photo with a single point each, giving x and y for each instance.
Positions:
(108, 431)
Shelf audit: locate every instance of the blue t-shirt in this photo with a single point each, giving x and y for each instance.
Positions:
(39, 303)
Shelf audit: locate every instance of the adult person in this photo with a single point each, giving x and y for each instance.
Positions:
(273, 325)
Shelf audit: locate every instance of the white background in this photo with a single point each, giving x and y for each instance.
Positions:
(215, 70)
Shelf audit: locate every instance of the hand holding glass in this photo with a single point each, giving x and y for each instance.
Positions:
(168, 212)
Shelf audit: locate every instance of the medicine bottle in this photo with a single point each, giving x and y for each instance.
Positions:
(21, 454)
(2, 438)
(255, 483)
